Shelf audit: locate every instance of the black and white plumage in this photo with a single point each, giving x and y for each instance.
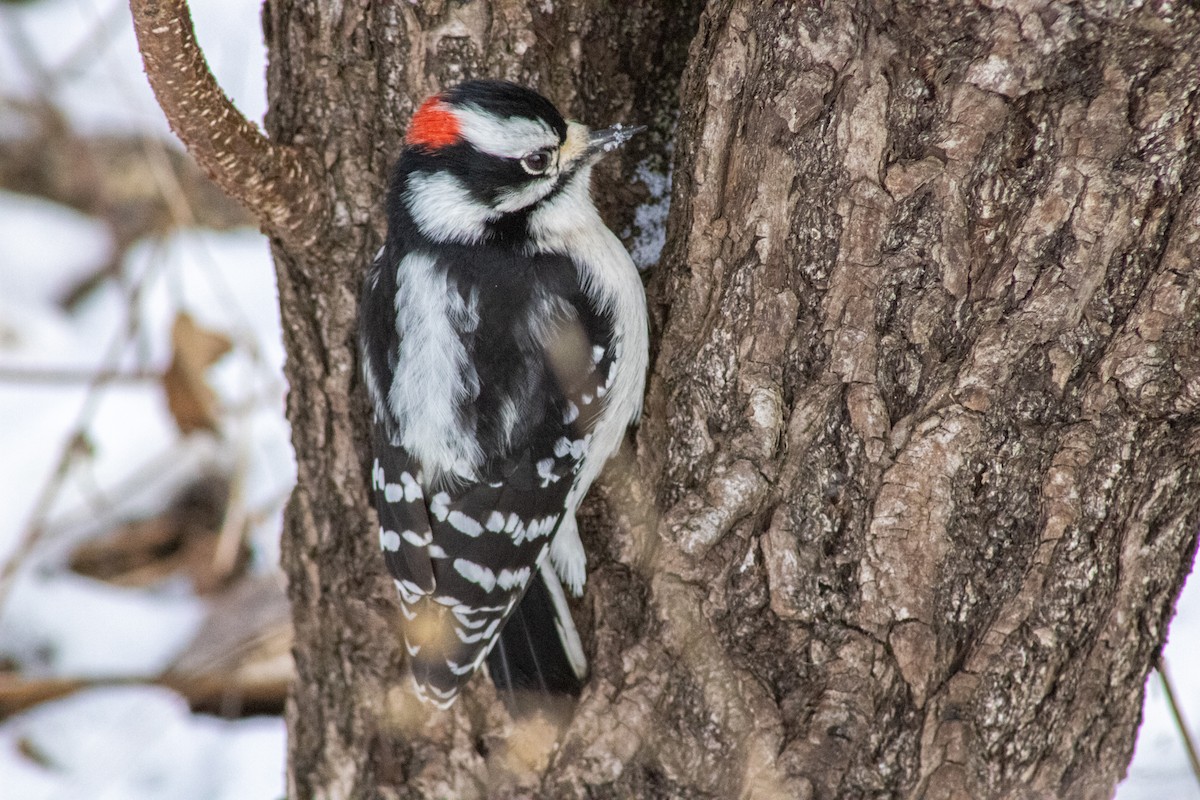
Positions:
(503, 340)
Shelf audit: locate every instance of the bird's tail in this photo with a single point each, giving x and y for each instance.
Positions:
(539, 653)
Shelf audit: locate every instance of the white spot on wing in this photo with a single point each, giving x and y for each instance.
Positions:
(450, 693)
(438, 506)
(409, 591)
(389, 540)
(461, 522)
(459, 669)
(461, 616)
(476, 573)
(534, 529)
(463, 608)
(469, 638)
(416, 539)
(545, 469)
(412, 489)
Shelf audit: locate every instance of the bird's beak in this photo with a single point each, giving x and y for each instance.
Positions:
(609, 139)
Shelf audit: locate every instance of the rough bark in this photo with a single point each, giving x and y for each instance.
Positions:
(925, 418)
(916, 487)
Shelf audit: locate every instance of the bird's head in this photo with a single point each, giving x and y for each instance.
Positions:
(486, 151)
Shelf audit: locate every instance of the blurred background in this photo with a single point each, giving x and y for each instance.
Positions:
(144, 631)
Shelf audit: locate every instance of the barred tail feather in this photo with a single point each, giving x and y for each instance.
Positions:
(539, 652)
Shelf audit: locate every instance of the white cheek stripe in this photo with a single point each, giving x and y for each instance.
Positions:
(444, 210)
(512, 200)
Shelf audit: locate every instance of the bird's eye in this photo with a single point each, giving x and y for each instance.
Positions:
(537, 162)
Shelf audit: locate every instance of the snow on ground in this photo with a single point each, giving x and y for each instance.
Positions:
(140, 742)
(132, 742)
(56, 623)
(1160, 768)
(71, 749)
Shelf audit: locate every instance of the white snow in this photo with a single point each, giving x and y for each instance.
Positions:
(62, 624)
(26, 225)
(1160, 764)
(88, 50)
(138, 743)
(650, 218)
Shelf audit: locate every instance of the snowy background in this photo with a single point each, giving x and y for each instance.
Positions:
(142, 742)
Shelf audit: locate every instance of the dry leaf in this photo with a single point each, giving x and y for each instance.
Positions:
(181, 539)
(192, 403)
(241, 658)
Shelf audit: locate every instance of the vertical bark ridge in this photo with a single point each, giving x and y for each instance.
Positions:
(929, 257)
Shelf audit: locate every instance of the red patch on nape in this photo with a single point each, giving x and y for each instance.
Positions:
(433, 126)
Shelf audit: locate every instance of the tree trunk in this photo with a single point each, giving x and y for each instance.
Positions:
(343, 80)
(916, 487)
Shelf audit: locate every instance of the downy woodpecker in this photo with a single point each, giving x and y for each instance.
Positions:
(503, 340)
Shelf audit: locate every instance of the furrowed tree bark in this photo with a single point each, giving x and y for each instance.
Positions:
(925, 418)
(916, 487)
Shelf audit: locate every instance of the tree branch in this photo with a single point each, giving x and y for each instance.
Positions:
(275, 182)
(110, 176)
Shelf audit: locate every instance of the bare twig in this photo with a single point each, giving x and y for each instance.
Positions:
(1160, 664)
(138, 480)
(116, 177)
(38, 375)
(108, 23)
(275, 182)
(233, 526)
(261, 692)
(77, 437)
